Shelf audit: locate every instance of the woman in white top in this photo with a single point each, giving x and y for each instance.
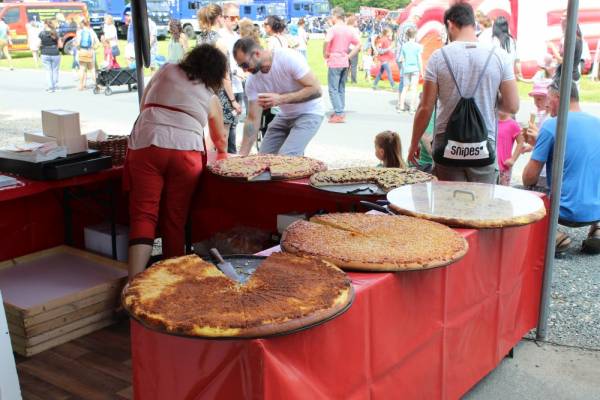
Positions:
(501, 37)
(34, 27)
(110, 35)
(178, 44)
(164, 160)
(274, 28)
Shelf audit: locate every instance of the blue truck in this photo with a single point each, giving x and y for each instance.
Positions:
(256, 10)
(295, 9)
(159, 12)
(97, 9)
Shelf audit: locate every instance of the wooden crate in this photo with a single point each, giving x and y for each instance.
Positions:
(57, 295)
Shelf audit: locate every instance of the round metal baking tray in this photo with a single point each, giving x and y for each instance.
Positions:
(242, 264)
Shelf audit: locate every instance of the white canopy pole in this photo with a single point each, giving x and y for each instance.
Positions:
(566, 80)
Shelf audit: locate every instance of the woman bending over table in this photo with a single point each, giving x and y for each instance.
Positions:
(165, 155)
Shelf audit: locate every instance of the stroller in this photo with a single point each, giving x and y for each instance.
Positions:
(114, 77)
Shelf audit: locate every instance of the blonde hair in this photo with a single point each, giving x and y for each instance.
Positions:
(108, 19)
(248, 29)
(207, 16)
(231, 6)
(392, 149)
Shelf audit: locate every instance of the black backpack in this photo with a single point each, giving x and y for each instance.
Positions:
(466, 142)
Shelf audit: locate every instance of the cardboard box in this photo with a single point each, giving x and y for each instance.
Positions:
(38, 138)
(74, 144)
(285, 220)
(97, 239)
(60, 124)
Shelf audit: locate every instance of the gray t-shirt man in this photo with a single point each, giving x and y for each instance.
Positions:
(467, 60)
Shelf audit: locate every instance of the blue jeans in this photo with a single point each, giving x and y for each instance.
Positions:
(52, 64)
(401, 83)
(290, 136)
(384, 67)
(336, 80)
(75, 63)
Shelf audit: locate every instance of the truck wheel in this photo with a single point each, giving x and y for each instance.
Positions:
(189, 32)
(68, 47)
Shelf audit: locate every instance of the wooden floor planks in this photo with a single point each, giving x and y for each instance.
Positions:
(93, 367)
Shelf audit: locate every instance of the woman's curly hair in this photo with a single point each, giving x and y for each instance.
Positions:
(205, 64)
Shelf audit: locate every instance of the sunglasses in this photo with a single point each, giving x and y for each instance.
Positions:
(244, 65)
(232, 17)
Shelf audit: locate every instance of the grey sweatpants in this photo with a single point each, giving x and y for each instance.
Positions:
(290, 136)
(487, 174)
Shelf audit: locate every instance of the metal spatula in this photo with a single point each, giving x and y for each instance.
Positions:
(225, 266)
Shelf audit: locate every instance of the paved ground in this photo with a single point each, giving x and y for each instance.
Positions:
(541, 372)
(575, 309)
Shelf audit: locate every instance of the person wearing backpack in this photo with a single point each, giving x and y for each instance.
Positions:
(470, 81)
(86, 42)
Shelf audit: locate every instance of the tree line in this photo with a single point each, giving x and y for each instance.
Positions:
(354, 5)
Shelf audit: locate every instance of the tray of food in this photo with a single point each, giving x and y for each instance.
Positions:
(277, 295)
(266, 167)
(365, 242)
(468, 204)
(366, 180)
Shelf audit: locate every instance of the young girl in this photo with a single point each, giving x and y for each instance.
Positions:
(110, 62)
(388, 150)
(367, 63)
(509, 131)
(385, 55)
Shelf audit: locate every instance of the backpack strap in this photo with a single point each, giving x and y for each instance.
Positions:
(487, 62)
(451, 72)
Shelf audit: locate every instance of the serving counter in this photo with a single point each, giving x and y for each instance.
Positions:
(419, 334)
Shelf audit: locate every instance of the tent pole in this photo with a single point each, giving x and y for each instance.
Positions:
(139, 61)
(566, 80)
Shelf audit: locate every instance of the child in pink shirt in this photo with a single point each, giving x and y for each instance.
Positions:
(509, 131)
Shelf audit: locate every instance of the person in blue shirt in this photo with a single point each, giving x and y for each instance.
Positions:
(412, 70)
(580, 195)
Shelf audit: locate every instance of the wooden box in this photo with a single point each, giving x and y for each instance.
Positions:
(57, 295)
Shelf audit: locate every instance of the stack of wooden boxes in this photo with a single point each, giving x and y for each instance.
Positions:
(57, 295)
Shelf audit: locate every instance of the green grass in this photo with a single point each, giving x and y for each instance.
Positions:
(590, 91)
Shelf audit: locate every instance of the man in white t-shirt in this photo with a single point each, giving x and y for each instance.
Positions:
(231, 16)
(473, 70)
(280, 78)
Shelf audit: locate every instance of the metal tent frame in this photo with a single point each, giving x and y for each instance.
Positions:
(566, 80)
(139, 18)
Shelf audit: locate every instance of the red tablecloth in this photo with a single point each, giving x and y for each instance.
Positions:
(423, 335)
(32, 215)
(222, 203)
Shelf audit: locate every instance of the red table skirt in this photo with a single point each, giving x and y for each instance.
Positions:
(425, 334)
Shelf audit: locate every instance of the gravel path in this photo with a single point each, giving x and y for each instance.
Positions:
(575, 307)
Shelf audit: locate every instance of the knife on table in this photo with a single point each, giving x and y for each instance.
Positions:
(225, 266)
